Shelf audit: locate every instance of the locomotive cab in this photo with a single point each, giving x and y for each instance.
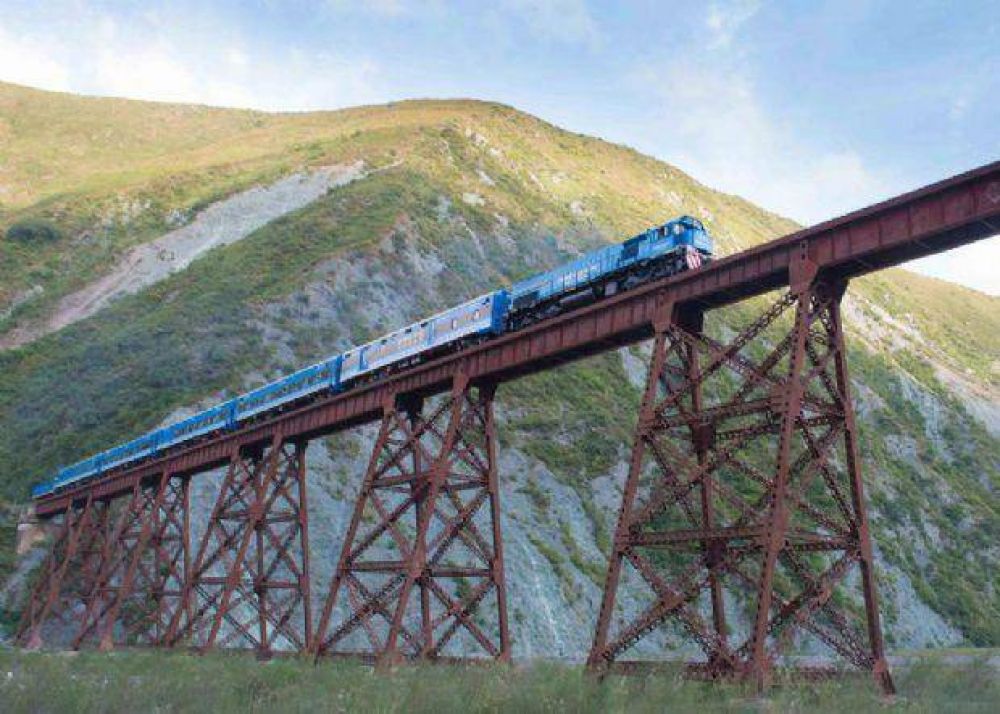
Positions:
(691, 232)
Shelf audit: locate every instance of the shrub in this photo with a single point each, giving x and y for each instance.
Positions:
(33, 231)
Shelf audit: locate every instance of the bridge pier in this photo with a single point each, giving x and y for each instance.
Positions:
(142, 566)
(744, 484)
(249, 585)
(69, 571)
(423, 553)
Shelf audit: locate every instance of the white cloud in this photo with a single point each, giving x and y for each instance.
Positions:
(166, 61)
(237, 57)
(293, 80)
(24, 59)
(973, 265)
(715, 126)
(724, 20)
(149, 72)
(567, 21)
(391, 8)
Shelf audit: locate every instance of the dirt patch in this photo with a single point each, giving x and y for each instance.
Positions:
(222, 223)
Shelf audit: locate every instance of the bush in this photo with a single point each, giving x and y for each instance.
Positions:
(33, 231)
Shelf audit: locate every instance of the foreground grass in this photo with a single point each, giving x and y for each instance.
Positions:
(173, 682)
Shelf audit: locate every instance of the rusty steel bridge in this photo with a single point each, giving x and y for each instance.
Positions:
(744, 488)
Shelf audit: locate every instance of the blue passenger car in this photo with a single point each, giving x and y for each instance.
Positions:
(396, 346)
(69, 474)
(211, 419)
(310, 380)
(479, 316)
(79, 471)
(350, 365)
(134, 450)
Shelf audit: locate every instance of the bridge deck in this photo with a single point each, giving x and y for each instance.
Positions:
(933, 219)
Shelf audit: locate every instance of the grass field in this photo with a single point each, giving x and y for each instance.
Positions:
(140, 682)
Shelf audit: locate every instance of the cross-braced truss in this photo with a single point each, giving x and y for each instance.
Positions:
(162, 569)
(137, 589)
(421, 571)
(744, 501)
(249, 586)
(68, 573)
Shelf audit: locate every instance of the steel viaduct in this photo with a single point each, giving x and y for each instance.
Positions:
(743, 493)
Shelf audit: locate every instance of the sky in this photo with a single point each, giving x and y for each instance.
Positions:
(809, 109)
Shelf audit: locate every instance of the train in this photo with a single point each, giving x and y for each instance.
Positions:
(679, 245)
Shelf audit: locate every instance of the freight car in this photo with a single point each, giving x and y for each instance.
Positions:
(679, 245)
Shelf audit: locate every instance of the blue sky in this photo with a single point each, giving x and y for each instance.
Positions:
(810, 109)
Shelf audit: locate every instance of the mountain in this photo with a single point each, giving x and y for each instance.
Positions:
(156, 258)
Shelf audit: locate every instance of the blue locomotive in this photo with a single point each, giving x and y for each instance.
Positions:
(681, 244)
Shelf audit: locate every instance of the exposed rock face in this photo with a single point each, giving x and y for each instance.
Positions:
(30, 532)
(914, 625)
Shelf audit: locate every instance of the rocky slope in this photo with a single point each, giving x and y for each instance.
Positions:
(455, 198)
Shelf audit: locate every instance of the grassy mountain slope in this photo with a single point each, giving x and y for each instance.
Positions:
(461, 196)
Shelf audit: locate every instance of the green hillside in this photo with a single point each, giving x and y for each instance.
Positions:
(483, 194)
